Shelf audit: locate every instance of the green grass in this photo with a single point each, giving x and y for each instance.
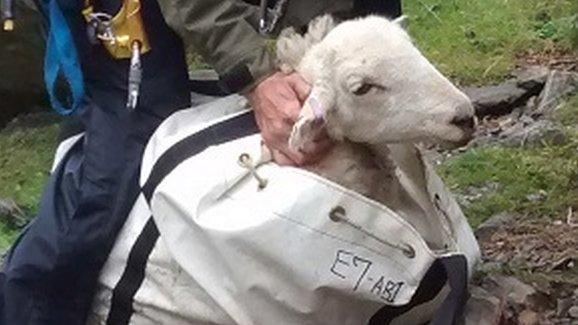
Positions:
(476, 41)
(26, 152)
(520, 172)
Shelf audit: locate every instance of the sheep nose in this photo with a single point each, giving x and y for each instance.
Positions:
(464, 121)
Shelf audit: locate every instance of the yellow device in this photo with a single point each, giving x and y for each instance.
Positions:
(125, 29)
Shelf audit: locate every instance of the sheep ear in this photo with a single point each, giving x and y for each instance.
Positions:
(402, 21)
(318, 28)
(310, 125)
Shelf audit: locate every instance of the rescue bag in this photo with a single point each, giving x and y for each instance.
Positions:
(222, 235)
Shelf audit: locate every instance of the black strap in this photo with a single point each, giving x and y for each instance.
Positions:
(234, 128)
(123, 294)
(451, 310)
(208, 87)
(388, 8)
(121, 308)
(238, 78)
(451, 269)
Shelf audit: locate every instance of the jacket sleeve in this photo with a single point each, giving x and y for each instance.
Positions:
(223, 32)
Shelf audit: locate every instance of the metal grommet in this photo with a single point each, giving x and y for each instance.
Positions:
(244, 158)
(337, 214)
(245, 161)
(408, 251)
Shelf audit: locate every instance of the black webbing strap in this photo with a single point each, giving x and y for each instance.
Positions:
(452, 270)
(234, 128)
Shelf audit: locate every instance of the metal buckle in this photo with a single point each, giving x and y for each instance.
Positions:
(270, 17)
(100, 28)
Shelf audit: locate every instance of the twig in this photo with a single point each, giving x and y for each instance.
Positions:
(491, 66)
(428, 8)
(569, 217)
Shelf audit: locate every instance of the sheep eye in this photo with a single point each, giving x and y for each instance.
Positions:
(364, 89)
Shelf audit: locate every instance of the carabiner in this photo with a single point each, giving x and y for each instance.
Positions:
(270, 17)
(134, 76)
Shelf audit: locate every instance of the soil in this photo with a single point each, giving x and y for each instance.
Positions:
(556, 58)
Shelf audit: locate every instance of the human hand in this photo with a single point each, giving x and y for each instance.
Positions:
(277, 102)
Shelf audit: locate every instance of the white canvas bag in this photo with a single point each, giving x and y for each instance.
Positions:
(215, 247)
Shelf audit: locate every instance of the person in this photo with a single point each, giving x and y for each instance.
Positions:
(50, 273)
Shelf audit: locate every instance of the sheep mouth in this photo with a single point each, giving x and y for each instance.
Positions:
(452, 139)
(450, 144)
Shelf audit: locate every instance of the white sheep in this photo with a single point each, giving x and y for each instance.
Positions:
(373, 90)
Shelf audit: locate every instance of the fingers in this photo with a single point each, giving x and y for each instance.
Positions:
(277, 103)
(293, 109)
(300, 86)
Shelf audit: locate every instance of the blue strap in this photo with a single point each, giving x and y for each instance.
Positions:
(61, 57)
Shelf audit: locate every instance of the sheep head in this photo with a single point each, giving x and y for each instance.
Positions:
(372, 85)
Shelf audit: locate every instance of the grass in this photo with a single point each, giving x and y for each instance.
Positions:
(26, 152)
(476, 41)
(520, 172)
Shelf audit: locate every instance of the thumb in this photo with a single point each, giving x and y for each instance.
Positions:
(300, 86)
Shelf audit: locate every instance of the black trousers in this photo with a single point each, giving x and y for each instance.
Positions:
(51, 272)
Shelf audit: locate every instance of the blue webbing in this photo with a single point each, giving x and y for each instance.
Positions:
(61, 57)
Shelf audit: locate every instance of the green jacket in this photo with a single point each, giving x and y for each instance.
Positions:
(225, 33)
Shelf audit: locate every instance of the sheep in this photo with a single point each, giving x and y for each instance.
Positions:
(205, 218)
(375, 94)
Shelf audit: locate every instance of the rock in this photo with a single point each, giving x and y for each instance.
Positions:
(502, 99)
(483, 308)
(21, 57)
(531, 78)
(559, 84)
(573, 312)
(537, 197)
(562, 306)
(532, 135)
(12, 212)
(516, 291)
(497, 99)
(528, 317)
(486, 229)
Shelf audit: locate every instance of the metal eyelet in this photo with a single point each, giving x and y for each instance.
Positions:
(339, 214)
(408, 251)
(246, 161)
